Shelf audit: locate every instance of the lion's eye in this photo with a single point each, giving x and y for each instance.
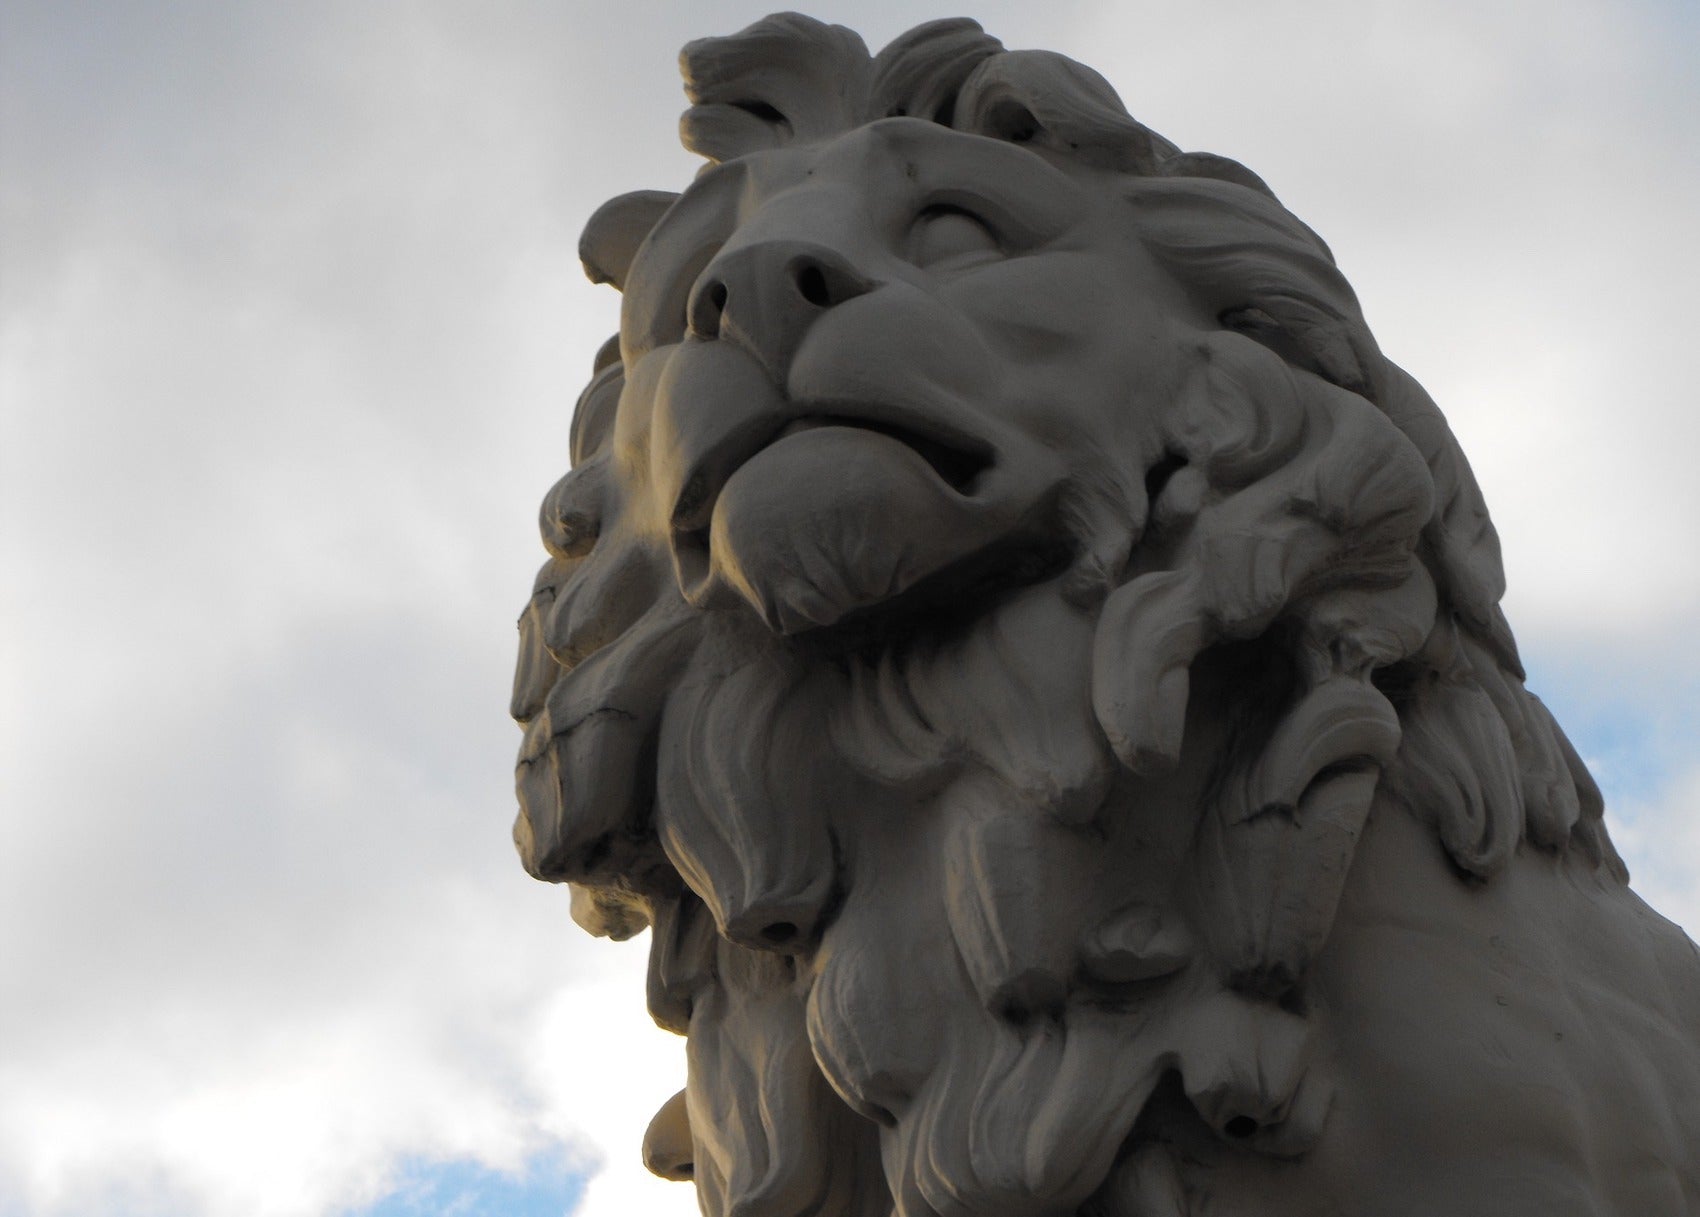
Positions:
(946, 235)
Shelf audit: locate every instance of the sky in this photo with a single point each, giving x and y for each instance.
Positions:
(291, 325)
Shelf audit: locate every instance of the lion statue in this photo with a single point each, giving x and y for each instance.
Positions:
(1036, 667)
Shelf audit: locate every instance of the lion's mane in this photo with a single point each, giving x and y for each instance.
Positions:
(962, 893)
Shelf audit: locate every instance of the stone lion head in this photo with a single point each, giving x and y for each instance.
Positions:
(999, 585)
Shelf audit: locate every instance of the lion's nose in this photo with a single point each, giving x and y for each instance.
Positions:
(765, 297)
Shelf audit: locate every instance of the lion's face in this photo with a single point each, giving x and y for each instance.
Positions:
(857, 364)
(1138, 577)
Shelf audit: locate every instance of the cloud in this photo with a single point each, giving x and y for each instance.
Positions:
(289, 334)
(1659, 834)
(284, 343)
(543, 1188)
(1635, 719)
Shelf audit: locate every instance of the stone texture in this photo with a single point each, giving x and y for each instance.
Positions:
(1038, 669)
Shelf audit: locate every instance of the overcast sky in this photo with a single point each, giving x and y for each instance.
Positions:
(290, 329)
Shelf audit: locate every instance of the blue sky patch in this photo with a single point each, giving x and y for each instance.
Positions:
(1635, 728)
(548, 1186)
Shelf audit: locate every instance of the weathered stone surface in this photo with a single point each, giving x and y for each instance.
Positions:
(1038, 668)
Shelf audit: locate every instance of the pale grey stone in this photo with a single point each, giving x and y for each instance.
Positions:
(1038, 668)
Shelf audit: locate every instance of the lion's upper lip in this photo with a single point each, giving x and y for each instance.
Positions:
(958, 457)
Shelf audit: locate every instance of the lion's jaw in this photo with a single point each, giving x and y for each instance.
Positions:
(950, 800)
(874, 385)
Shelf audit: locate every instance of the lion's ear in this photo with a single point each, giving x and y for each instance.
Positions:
(612, 235)
(919, 74)
(1053, 104)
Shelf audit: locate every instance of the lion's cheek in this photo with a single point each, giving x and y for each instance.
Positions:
(835, 519)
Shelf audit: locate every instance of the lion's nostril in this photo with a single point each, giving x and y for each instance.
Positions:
(1240, 1127)
(824, 280)
(811, 282)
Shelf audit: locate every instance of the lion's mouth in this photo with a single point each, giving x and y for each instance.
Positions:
(958, 460)
(834, 508)
(956, 466)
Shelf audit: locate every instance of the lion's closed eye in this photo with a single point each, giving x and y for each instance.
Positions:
(946, 236)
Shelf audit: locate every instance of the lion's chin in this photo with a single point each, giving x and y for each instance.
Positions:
(834, 519)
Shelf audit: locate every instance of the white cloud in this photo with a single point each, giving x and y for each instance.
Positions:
(279, 1113)
(602, 1034)
(286, 326)
(289, 330)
